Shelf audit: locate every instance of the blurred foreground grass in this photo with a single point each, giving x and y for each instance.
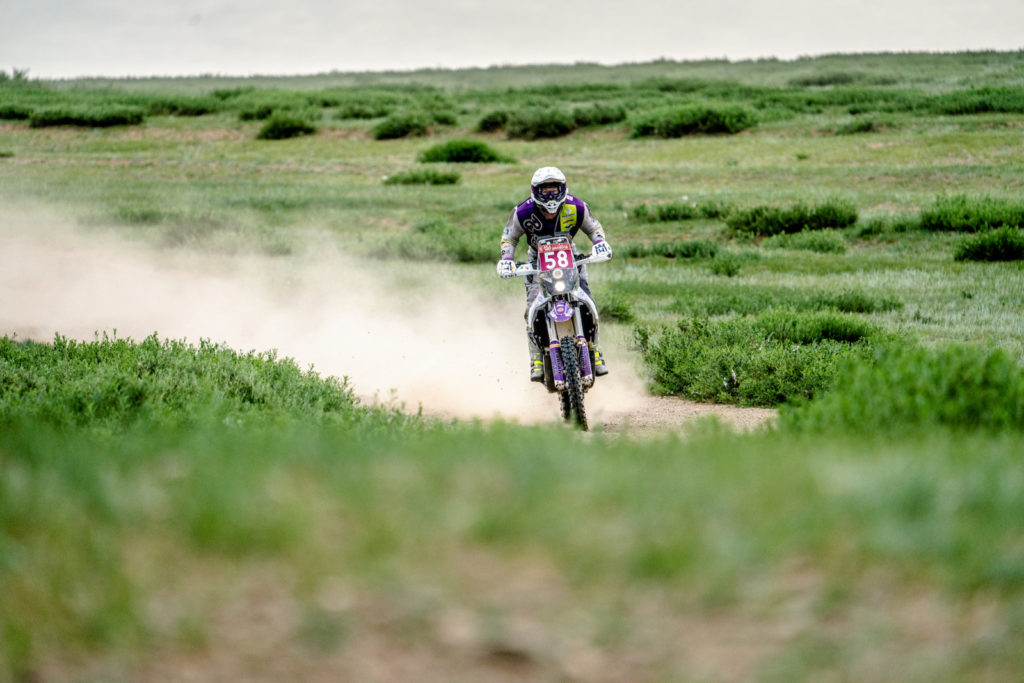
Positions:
(243, 543)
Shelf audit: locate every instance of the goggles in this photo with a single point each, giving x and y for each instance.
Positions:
(548, 192)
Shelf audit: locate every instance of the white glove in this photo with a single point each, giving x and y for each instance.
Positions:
(601, 251)
(506, 268)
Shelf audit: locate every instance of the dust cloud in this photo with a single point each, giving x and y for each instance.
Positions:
(403, 334)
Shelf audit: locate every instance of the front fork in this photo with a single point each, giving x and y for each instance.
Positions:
(557, 330)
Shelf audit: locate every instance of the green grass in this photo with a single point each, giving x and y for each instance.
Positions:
(149, 489)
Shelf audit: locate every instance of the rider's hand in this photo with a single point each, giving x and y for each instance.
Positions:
(506, 268)
(602, 251)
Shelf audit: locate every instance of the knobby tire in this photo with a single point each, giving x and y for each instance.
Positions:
(573, 383)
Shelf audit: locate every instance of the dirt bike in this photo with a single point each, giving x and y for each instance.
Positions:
(563, 319)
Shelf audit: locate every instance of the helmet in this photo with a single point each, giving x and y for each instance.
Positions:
(553, 194)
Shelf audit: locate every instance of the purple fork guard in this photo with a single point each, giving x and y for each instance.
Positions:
(584, 355)
(556, 361)
(561, 311)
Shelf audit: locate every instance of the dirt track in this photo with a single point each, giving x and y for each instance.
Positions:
(449, 349)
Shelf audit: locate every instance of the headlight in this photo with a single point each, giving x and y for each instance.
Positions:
(560, 286)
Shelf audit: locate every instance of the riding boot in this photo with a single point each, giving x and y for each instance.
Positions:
(600, 367)
(536, 362)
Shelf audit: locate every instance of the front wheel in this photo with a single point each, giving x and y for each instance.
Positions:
(573, 394)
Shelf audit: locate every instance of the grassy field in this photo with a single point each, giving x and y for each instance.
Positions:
(176, 512)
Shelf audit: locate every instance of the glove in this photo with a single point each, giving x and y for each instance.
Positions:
(602, 251)
(506, 268)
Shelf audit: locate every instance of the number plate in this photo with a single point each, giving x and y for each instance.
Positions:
(556, 255)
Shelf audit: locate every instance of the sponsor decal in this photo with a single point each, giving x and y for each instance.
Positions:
(567, 220)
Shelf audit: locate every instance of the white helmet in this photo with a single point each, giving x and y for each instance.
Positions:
(553, 194)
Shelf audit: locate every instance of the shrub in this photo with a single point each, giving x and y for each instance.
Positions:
(493, 121)
(363, 110)
(679, 249)
(282, 126)
(402, 124)
(980, 101)
(903, 389)
(463, 151)
(424, 177)
(680, 211)
(116, 382)
(734, 362)
(1002, 244)
(827, 79)
(598, 115)
(851, 301)
(767, 220)
(861, 126)
(617, 308)
(693, 120)
(808, 328)
(965, 214)
(86, 116)
(824, 242)
(728, 265)
(183, 106)
(14, 112)
(533, 124)
(257, 112)
(6, 154)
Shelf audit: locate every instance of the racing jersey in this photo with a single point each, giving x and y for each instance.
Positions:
(527, 219)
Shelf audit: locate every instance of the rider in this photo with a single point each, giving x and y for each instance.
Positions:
(549, 211)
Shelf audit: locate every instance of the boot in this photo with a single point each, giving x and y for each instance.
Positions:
(536, 363)
(600, 367)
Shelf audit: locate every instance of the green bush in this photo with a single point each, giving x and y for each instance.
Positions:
(861, 126)
(825, 79)
(86, 116)
(116, 382)
(681, 211)
(1008, 100)
(463, 151)
(363, 110)
(821, 241)
(183, 106)
(727, 264)
(283, 126)
(734, 361)
(966, 214)
(615, 308)
(674, 249)
(15, 112)
(259, 112)
(425, 177)
(769, 220)
(1002, 244)
(402, 124)
(532, 124)
(598, 115)
(784, 324)
(492, 121)
(900, 389)
(852, 301)
(693, 120)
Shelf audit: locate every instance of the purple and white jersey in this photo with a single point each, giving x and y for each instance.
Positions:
(526, 219)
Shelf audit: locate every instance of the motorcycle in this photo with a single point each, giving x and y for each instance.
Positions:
(563, 319)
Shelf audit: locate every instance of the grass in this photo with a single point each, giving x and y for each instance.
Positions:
(149, 489)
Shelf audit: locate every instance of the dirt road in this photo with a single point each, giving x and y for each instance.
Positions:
(400, 333)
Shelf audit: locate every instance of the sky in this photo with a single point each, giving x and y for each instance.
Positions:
(74, 38)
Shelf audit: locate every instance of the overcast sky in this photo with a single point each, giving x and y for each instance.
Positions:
(68, 38)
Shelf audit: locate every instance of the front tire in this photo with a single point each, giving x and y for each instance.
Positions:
(573, 394)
